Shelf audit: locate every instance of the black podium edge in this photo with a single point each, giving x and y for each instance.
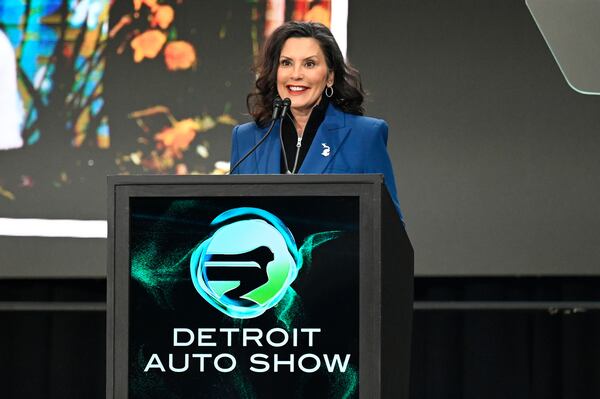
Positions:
(397, 290)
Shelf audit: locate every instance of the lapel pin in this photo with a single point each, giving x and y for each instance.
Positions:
(326, 150)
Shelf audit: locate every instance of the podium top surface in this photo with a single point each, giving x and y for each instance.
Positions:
(246, 179)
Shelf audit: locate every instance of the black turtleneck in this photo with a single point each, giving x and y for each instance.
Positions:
(290, 135)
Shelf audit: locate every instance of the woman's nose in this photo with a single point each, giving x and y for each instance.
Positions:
(297, 73)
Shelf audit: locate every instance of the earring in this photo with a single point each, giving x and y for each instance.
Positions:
(330, 93)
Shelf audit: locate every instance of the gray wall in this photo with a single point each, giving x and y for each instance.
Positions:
(495, 156)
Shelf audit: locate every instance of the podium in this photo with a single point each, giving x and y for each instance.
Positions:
(257, 287)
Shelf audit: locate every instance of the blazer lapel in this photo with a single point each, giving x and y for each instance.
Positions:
(329, 138)
(268, 155)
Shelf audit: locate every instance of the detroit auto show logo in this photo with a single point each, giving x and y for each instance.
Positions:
(246, 265)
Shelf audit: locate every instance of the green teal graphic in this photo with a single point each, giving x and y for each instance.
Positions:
(313, 241)
(247, 264)
(289, 309)
(344, 385)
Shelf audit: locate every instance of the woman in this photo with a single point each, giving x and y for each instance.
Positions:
(326, 132)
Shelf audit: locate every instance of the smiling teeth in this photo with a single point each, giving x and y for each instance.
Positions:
(296, 88)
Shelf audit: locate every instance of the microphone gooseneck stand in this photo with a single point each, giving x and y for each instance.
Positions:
(277, 106)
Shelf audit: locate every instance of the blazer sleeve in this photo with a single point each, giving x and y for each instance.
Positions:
(379, 160)
(235, 156)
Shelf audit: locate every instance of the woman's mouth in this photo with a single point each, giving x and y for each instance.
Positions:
(296, 90)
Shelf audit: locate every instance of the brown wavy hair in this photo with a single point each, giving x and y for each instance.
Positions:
(348, 93)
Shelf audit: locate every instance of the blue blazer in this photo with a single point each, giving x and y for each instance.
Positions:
(344, 143)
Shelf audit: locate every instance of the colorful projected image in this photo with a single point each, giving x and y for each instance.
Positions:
(52, 94)
(59, 48)
(91, 88)
(158, 134)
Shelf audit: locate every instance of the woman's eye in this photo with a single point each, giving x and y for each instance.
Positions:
(285, 63)
(310, 64)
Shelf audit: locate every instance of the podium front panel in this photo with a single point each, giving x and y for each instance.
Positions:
(244, 290)
(195, 327)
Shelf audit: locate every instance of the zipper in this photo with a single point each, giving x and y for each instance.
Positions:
(298, 145)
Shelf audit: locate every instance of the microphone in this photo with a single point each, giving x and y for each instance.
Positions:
(277, 106)
(286, 103)
(277, 103)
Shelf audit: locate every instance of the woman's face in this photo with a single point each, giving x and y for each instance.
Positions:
(302, 74)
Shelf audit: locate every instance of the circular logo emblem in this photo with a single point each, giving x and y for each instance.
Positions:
(247, 264)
